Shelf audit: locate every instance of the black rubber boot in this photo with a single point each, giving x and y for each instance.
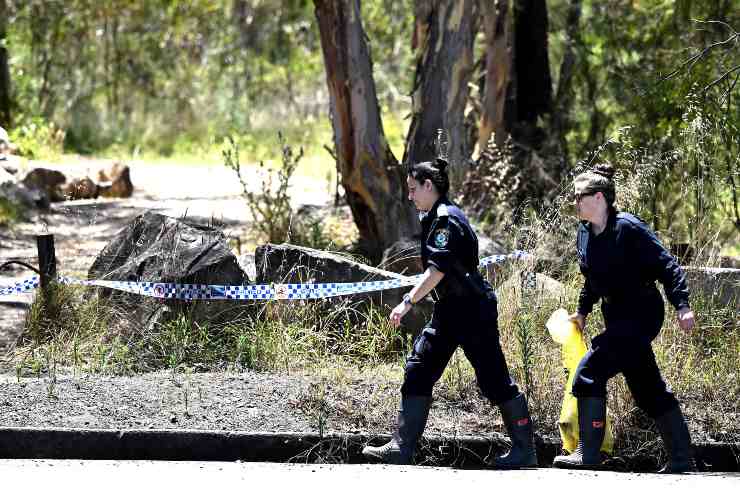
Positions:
(591, 427)
(519, 425)
(412, 418)
(677, 442)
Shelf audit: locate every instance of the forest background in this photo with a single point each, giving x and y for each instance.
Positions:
(650, 86)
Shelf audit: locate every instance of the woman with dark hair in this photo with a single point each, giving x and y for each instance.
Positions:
(620, 259)
(465, 314)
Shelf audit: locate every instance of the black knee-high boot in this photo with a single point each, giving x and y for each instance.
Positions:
(677, 442)
(412, 419)
(519, 426)
(591, 427)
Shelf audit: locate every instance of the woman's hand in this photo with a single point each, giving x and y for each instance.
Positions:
(398, 312)
(579, 320)
(686, 318)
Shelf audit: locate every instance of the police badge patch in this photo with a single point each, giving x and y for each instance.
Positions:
(441, 237)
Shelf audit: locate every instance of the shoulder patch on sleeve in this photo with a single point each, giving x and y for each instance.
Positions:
(441, 237)
(442, 210)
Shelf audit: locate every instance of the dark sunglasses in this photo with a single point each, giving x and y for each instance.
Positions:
(579, 196)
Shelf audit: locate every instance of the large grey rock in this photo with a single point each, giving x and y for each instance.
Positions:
(525, 287)
(158, 248)
(294, 264)
(17, 193)
(48, 181)
(717, 286)
(403, 257)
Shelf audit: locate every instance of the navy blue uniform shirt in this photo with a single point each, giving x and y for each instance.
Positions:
(624, 261)
(449, 243)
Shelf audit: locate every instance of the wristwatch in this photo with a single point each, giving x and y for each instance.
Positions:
(407, 299)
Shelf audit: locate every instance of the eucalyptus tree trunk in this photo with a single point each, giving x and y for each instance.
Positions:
(516, 107)
(443, 40)
(373, 181)
(518, 85)
(5, 114)
(497, 25)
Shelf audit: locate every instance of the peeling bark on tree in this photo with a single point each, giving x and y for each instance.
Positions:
(499, 72)
(524, 165)
(5, 113)
(443, 40)
(373, 181)
(518, 83)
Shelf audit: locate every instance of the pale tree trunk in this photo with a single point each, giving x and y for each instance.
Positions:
(516, 101)
(443, 40)
(518, 84)
(499, 71)
(373, 181)
(5, 114)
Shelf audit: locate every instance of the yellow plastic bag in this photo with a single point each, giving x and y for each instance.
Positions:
(566, 333)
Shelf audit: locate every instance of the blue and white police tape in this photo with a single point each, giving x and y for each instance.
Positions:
(21, 286)
(249, 292)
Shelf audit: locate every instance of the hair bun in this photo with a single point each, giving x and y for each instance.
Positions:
(605, 170)
(441, 163)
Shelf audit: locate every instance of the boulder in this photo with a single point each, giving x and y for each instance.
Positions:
(115, 181)
(524, 287)
(403, 257)
(80, 188)
(717, 286)
(293, 264)
(46, 180)
(18, 193)
(158, 248)
(287, 263)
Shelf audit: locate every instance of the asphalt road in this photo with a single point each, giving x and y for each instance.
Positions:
(145, 476)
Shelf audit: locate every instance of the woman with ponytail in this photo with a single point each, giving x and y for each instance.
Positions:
(465, 314)
(620, 259)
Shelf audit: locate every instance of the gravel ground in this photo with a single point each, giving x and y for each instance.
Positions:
(246, 401)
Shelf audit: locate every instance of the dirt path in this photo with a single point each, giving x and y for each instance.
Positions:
(82, 228)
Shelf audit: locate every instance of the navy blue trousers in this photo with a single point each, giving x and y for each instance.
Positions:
(473, 325)
(625, 347)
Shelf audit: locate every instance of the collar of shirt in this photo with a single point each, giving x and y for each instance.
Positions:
(431, 215)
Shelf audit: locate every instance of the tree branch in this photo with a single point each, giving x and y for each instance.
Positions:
(695, 58)
(721, 78)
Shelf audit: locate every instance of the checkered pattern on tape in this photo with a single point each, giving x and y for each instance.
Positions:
(250, 292)
(21, 287)
(497, 259)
